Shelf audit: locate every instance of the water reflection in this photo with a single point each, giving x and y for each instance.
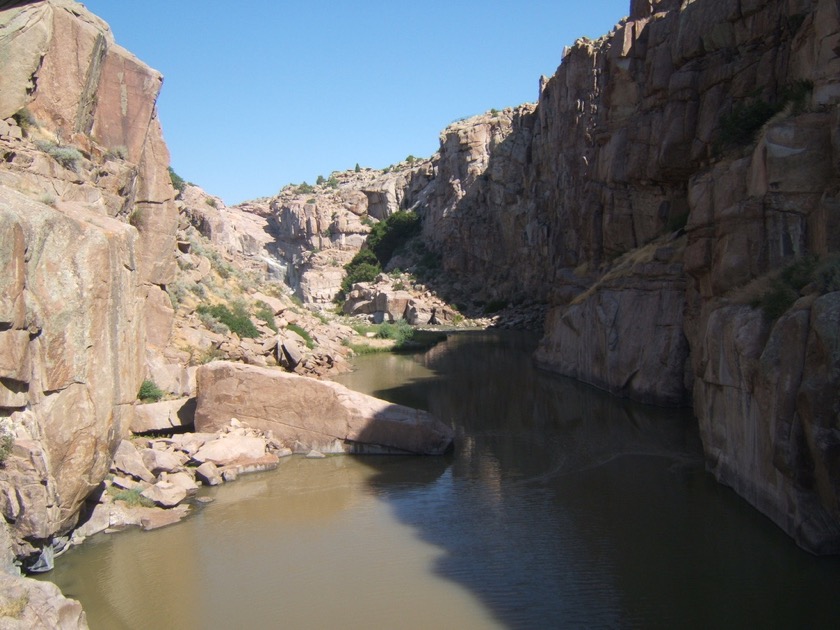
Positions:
(565, 507)
(560, 507)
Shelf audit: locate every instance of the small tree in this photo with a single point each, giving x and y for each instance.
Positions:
(358, 168)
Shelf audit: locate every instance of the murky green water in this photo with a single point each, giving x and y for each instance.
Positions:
(561, 507)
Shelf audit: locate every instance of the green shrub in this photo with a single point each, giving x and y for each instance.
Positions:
(776, 300)
(332, 182)
(132, 498)
(177, 182)
(68, 157)
(740, 126)
(211, 202)
(677, 222)
(149, 392)
(305, 188)
(400, 331)
(357, 169)
(177, 291)
(25, 120)
(119, 152)
(7, 440)
(237, 320)
(364, 267)
(827, 275)
(389, 235)
(365, 272)
(310, 343)
(212, 324)
(320, 180)
(265, 313)
(785, 289)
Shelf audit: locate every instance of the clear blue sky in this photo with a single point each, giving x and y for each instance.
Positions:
(264, 93)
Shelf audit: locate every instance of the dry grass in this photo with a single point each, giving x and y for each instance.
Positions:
(13, 606)
(625, 265)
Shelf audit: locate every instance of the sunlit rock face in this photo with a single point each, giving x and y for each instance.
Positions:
(307, 414)
(88, 237)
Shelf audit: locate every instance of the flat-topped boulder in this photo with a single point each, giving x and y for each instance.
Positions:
(309, 414)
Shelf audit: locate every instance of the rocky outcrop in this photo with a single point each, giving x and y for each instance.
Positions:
(318, 229)
(88, 231)
(72, 336)
(307, 414)
(669, 172)
(28, 603)
(382, 302)
(625, 334)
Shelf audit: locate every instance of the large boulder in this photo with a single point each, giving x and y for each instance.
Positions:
(309, 414)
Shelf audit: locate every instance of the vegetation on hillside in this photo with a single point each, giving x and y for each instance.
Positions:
(385, 238)
(821, 276)
(740, 126)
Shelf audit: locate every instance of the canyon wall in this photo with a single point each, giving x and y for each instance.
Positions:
(669, 177)
(87, 239)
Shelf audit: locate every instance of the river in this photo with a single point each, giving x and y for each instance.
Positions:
(561, 507)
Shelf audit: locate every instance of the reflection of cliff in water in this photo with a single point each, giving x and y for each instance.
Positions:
(529, 422)
(567, 507)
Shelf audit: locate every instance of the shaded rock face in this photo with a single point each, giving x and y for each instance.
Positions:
(631, 146)
(308, 414)
(75, 275)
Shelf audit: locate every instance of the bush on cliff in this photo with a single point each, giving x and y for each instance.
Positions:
(389, 235)
(237, 320)
(819, 276)
(363, 268)
(740, 126)
(7, 440)
(177, 181)
(149, 392)
(68, 157)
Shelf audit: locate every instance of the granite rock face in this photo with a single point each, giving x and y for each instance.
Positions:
(72, 331)
(308, 414)
(637, 145)
(88, 237)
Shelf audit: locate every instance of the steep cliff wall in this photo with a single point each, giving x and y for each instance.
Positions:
(87, 226)
(670, 175)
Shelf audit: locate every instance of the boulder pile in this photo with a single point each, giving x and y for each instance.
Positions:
(153, 479)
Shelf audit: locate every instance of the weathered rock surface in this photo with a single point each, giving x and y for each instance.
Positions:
(37, 604)
(74, 273)
(307, 414)
(163, 416)
(29, 603)
(72, 317)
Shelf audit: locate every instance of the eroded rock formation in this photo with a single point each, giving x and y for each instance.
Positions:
(87, 224)
(670, 171)
(668, 174)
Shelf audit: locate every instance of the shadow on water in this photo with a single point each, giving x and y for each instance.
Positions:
(564, 507)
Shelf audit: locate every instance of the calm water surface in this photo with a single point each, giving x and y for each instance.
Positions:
(561, 507)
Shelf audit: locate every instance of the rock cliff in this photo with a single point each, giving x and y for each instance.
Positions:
(87, 226)
(671, 180)
(673, 197)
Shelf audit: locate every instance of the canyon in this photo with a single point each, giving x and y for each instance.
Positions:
(670, 203)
